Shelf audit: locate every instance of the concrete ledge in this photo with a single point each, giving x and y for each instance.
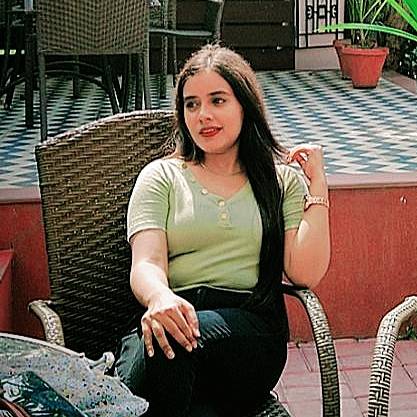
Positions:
(336, 181)
(20, 195)
(379, 180)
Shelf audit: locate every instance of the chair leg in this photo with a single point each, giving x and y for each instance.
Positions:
(146, 75)
(76, 92)
(126, 84)
(42, 97)
(164, 67)
(30, 56)
(139, 81)
(108, 82)
(11, 75)
(116, 86)
(174, 60)
(4, 70)
(10, 91)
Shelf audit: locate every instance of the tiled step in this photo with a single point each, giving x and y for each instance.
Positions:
(6, 257)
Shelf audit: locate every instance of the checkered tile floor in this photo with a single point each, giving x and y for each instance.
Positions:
(362, 131)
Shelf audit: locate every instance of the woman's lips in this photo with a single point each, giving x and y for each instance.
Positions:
(209, 131)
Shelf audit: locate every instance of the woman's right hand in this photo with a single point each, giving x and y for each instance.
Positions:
(167, 312)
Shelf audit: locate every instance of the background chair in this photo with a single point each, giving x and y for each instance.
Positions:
(87, 27)
(86, 177)
(165, 25)
(16, 24)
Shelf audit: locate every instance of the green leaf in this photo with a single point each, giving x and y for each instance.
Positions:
(412, 5)
(365, 15)
(403, 13)
(375, 28)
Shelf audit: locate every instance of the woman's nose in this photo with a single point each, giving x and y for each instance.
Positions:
(205, 113)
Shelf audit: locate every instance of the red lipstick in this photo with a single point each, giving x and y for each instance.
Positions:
(209, 131)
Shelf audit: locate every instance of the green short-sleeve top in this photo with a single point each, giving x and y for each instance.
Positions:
(211, 240)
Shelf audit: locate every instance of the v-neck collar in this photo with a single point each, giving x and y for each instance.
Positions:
(205, 191)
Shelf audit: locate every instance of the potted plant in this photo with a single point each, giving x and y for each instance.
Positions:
(339, 44)
(364, 58)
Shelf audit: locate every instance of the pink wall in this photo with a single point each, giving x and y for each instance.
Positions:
(6, 257)
(21, 229)
(373, 266)
(374, 259)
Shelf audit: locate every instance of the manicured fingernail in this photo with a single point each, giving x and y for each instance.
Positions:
(150, 353)
(171, 355)
(197, 333)
(195, 344)
(189, 348)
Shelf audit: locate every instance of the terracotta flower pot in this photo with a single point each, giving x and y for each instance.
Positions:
(338, 45)
(365, 65)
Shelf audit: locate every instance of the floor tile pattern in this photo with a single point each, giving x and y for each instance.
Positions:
(299, 389)
(362, 131)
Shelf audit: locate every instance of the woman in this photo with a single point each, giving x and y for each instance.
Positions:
(213, 227)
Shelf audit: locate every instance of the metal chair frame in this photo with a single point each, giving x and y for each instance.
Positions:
(166, 27)
(17, 24)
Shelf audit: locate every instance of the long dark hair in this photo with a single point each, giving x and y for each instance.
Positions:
(258, 153)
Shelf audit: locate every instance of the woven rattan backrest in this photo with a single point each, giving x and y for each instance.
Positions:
(88, 27)
(86, 177)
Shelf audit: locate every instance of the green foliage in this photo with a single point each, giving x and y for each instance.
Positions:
(367, 16)
(365, 12)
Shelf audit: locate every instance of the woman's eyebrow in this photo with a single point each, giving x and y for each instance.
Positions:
(213, 93)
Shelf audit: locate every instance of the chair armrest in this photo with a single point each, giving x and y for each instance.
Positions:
(103, 364)
(382, 360)
(50, 321)
(324, 346)
(270, 408)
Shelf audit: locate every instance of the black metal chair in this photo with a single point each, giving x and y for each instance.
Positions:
(6, 26)
(86, 177)
(87, 27)
(16, 24)
(165, 26)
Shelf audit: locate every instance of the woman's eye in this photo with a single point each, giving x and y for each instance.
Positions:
(190, 105)
(218, 100)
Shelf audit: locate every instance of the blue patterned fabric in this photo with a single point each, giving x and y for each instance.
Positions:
(71, 374)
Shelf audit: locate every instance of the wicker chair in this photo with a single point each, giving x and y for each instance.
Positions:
(87, 27)
(383, 357)
(164, 24)
(86, 176)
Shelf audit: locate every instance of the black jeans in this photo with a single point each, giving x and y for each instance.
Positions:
(239, 358)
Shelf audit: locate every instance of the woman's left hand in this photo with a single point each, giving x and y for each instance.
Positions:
(310, 158)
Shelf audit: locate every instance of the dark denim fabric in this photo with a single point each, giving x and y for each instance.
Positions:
(239, 358)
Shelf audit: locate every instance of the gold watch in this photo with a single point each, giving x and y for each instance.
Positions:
(315, 199)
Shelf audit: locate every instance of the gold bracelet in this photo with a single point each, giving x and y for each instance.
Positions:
(315, 199)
